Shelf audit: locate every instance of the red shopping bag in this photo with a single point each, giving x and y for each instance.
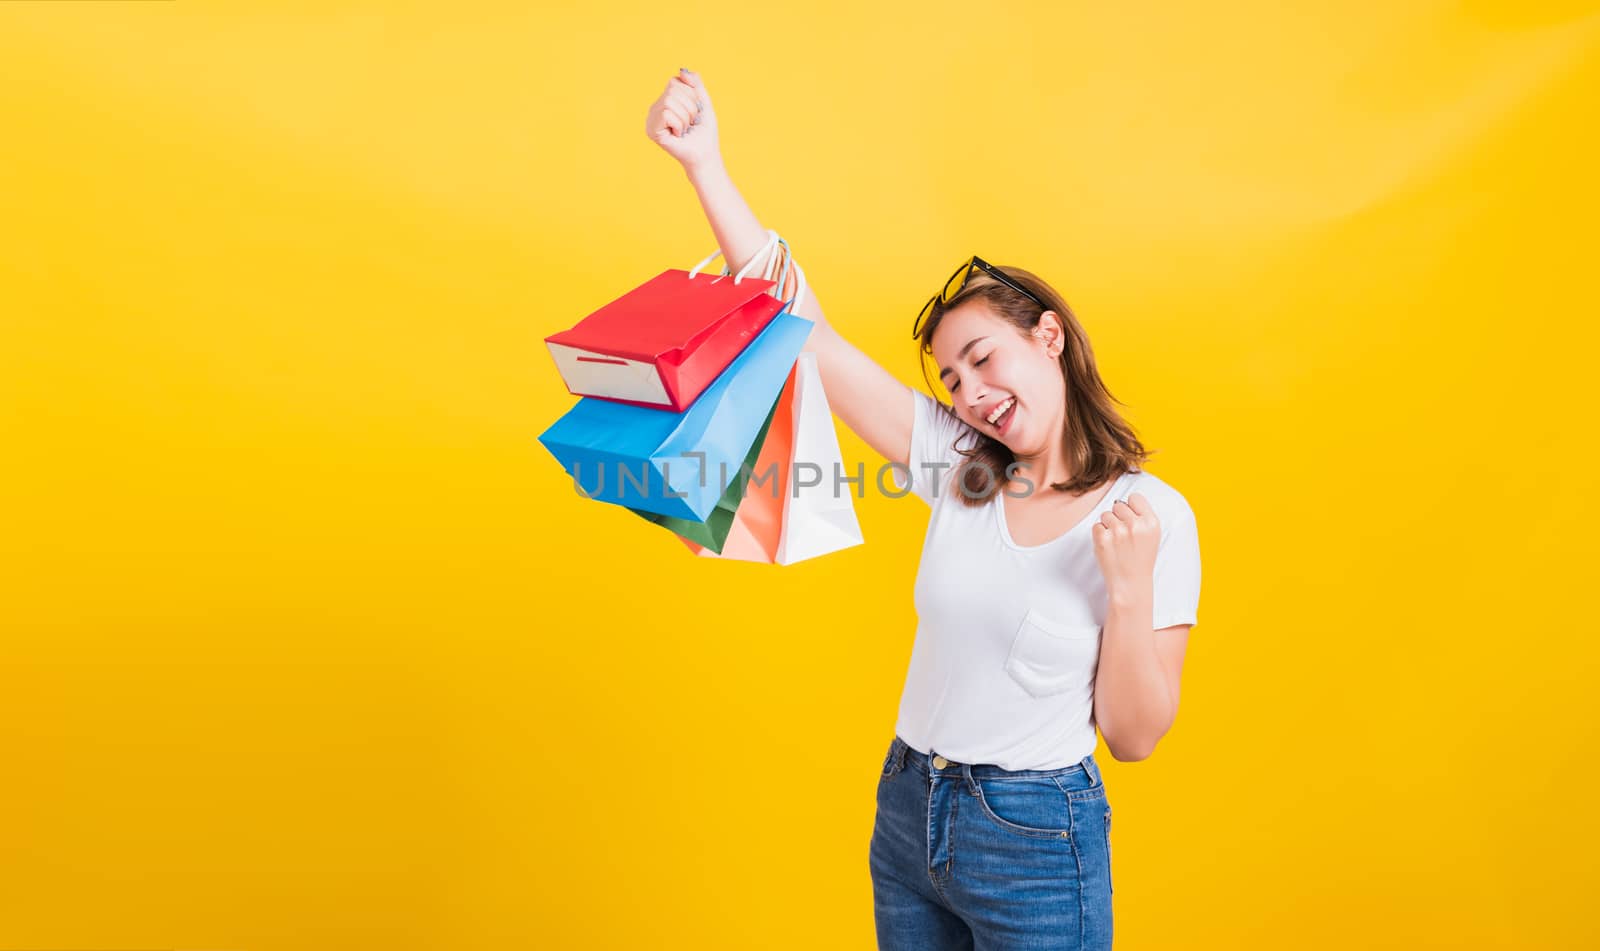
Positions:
(665, 341)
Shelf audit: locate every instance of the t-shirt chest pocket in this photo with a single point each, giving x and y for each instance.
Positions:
(1049, 657)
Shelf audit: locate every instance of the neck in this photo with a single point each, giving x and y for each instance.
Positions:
(1049, 465)
(1043, 468)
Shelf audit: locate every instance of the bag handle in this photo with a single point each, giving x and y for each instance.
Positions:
(766, 249)
(780, 274)
(790, 269)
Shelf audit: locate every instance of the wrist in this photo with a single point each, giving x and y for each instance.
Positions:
(1131, 598)
(705, 170)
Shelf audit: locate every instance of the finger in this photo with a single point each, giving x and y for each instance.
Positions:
(689, 104)
(665, 133)
(685, 104)
(674, 122)
(1123, 511)
(693, 80)
(1140, 504)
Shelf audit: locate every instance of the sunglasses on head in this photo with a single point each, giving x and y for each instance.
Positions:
(959, 279)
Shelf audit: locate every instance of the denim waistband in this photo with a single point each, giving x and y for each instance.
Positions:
(903, 755)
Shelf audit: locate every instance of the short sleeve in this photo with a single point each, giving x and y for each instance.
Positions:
(935, 432)
(1176, 587)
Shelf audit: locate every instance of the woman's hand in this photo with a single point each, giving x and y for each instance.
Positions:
(1125, 543)
(683, 122)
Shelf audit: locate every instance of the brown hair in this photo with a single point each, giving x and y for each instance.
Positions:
(1099, 443)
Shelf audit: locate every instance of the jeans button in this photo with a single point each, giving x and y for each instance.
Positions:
(939, 762)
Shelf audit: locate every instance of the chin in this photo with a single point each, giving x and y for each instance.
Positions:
(1018, 444)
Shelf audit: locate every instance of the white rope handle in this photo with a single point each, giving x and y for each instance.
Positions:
(766, 249)
(790, 269)
(779, 273)
(774, 262)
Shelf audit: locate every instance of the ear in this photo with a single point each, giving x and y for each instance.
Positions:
(1050, 333)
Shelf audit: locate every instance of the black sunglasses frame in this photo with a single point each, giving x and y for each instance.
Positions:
(972, 264)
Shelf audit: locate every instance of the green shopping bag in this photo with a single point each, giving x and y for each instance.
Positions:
(713, 532)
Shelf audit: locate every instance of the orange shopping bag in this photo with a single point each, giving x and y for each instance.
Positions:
(758, 522)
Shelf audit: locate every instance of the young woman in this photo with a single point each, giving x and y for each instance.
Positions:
(1052, 598)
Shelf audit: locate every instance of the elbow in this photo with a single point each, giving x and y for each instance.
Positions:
(1131, 752)
(1125, 756)
(1139, 740)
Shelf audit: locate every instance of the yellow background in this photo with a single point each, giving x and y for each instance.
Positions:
(308, 643)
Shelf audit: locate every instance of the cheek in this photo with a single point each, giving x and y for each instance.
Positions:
(1035, 385)
(1013, 372)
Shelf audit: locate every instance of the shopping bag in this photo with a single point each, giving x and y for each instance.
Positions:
(819, 517)
(800, 520)
(757, 525)
(678, 464)
(661, 344)
(713, 532)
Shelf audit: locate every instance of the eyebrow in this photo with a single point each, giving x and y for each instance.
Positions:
(969, 346)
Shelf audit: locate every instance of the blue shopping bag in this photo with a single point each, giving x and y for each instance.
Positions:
(678, 464)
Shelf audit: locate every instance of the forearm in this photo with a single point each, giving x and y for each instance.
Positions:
(738, 232)
(1133, 701)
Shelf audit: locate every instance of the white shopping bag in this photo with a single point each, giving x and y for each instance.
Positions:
(821, 518)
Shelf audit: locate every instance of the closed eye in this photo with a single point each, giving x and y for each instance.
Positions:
(979, 363)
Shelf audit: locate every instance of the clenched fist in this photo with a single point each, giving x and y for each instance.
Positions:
(683, 122)
(1126, 540)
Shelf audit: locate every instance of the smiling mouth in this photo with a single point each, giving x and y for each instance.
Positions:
(1002, 413)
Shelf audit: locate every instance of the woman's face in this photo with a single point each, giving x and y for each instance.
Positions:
(1002, 382)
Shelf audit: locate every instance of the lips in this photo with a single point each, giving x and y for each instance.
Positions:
(1003, 424)
(993, 415)
(999, 416)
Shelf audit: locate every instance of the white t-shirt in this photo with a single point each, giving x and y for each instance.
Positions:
(1008, 636)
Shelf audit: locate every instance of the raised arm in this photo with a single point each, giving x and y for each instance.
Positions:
(876, 406)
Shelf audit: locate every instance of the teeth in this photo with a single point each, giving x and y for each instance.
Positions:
(1000, 410)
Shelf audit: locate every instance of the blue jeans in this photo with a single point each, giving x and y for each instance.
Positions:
(975, 856)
